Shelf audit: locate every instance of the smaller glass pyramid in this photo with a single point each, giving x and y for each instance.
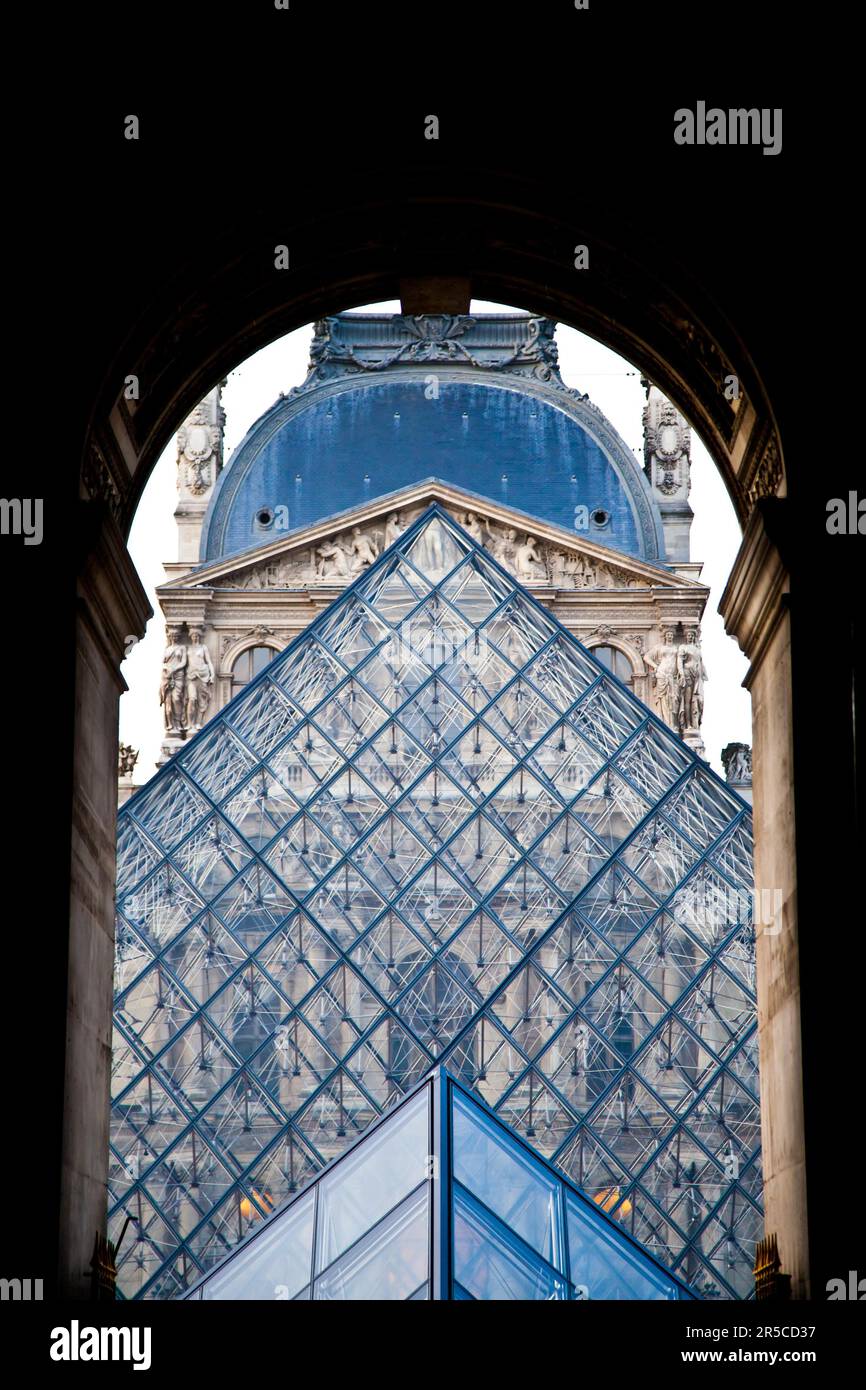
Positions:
(435, 829)
(439, 1200)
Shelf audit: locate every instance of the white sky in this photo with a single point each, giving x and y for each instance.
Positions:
(613, 384)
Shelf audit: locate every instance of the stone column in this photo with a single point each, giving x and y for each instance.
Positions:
(111, 606)
(756, 610)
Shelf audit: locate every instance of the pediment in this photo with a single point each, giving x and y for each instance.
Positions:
(334, 551)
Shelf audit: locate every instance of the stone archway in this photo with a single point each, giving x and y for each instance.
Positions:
(434, 246)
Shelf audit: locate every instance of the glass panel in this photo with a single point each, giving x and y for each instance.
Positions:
(387, 1264)
(488, 1266)
(505, 1179)
(276, 1264)
(604, 1268)
(369, 1182)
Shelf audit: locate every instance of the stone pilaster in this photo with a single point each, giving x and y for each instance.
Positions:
(111, 607)
(755, 608)
(667, 442)
(199, 463)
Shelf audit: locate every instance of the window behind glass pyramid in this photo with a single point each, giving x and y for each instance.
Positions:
(434, 828)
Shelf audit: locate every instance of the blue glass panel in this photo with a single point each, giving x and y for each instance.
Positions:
(274, 1266)
(389, 1263)
(505, 1178)
(489, 1266)
(370, 1181)
(604, 1268)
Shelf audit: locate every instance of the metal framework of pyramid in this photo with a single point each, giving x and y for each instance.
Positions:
(435, 828)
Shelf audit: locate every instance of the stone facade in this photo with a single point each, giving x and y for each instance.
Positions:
(648, 614)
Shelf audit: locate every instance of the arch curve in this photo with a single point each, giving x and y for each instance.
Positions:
(363, 244)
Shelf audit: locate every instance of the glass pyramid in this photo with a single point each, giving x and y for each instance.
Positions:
(434, 829)
(439, 1200)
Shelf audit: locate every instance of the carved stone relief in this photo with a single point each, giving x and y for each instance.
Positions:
(342, 556)
(667, 444)
(199, 446)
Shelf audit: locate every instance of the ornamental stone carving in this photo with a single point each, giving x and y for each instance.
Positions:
(394, 528)
(767, 476)
(199, 446)
(332, 560)
(529, 561)
(340, 558)
(667, 445)
(424, 339)
(127, 757)
(737, 762)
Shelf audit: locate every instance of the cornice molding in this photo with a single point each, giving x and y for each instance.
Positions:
(755, 598)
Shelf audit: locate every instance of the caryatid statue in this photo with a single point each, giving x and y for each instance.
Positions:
(664, 661)
(199, 681)
(172, 685)
(690, 664)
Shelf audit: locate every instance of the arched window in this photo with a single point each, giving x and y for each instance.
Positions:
(248, 665)
(616, 662)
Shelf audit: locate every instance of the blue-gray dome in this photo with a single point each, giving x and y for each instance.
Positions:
(391, 400)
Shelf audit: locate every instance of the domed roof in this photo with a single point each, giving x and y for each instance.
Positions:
(474, 400)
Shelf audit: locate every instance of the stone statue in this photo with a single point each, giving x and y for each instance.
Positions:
(585, 574)
(199, 681)
(737, 760)
(331, 561)
(472, 525)
(393, 529)
(363, 550)
(530, 561)
(172, 686)
(127, 757)
(664, 661)
(501, 543)
(558, 561)
(690, 664)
